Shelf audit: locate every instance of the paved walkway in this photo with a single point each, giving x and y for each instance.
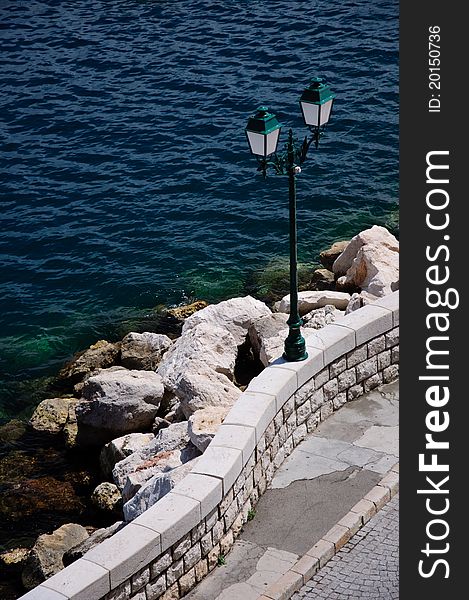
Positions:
(324, 477)
(367, 567)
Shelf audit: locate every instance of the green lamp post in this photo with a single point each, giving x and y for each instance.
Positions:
(263, 133)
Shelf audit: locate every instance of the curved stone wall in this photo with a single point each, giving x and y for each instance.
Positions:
(164, 552)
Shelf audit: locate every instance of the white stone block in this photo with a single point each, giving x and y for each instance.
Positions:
(126, 552)
(391, 302)
(172, 517)
(224, 463)
(333, 340)
(81, 580)
(305, 369)
(239, 437)
(43, 593)
(252, 410)
(206, 490)
(367, 322)
(280, 382)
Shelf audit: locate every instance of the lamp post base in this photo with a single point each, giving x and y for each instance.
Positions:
(295, 346)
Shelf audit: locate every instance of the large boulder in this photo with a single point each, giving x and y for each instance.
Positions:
(143, 350)
(327, 257)
(374, 270)
(45, 558)
(101, 355)
(309, 300)
(118, 449)
(376, 235)
(214, 345)
(174, 437)
(199, 386)
(235, 315)
(118, 384)
(199, 368)
(163, 462)
(204, 424)
(154, 489)
(118, 401)
(52, 415)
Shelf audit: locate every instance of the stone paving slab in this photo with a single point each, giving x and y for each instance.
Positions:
(297, 516)
(250, 568)
(383, 464)
(383, 438)
(304, 466)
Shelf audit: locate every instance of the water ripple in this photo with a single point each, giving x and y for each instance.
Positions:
(128, 182)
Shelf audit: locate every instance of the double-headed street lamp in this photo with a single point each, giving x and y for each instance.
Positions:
(263, 132)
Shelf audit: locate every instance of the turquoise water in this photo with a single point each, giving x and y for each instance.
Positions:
(127, 179)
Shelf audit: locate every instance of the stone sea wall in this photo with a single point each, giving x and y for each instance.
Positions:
(170, 547)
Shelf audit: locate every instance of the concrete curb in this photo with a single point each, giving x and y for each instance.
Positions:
(332, 541)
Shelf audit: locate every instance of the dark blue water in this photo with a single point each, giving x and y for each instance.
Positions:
(127, 181)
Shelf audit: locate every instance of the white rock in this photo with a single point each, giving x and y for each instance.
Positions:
(204, 424)
(375, 235)
(119, 384)
(213, 345)
(161, 463)
(174, 437)
(235, 315)
(375, 270)
(121, 447)
(309, 300)
(200, 386)
(154, 489)
(199, 367)
(341, 283)
(320, 317)
(143, 350)
(119, 402)
(170, 438)
(267, 336)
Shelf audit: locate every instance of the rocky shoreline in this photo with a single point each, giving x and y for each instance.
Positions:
(148, 406)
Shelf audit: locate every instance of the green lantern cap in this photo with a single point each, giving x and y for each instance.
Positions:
(317, 92)
(262, 121)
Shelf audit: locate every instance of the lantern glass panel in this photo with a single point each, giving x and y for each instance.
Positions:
(256, 143)
(272, 141)
(325, 112)
(311, 113)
